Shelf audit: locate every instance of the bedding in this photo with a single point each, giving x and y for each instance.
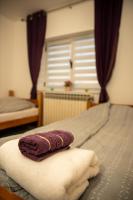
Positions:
(111, 140)
(4, 117)
(13, 104)
(62, 176)
(88, 123)
(114, 147)
(31, 112)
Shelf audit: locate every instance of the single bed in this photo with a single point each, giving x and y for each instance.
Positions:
(108, 130)
(24, 116)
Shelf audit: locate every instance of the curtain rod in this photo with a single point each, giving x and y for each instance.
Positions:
(65, 6)
(59, 8)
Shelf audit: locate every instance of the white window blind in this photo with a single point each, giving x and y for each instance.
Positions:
(58, 64)
(72, 60)
(84, 66)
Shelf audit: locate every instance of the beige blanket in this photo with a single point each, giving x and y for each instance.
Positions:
(62, 176)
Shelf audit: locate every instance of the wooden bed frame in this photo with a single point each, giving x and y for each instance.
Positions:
(6, 195)
(37, 118)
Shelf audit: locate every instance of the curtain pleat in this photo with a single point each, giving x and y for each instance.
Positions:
(36, 29)
(107, 23)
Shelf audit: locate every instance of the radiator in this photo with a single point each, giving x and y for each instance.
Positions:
(59, 106)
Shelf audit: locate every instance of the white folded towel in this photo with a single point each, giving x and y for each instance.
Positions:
(62, 176)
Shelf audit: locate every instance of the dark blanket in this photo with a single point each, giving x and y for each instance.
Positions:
(39, 146)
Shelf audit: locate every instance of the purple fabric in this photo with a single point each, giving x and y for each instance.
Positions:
(38, 146)
(36, 29)
(107, 23)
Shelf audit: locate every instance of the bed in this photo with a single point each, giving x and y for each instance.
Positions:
(108, 130)
(32, 113)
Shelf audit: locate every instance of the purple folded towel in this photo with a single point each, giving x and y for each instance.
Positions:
(38, 146)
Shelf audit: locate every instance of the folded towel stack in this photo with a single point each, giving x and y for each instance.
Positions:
(39, 146)
(63, 176)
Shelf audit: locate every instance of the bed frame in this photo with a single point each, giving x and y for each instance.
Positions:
(26, 120)
(6, 195)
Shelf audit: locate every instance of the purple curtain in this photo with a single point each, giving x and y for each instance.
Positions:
(107, 23)
(36, 29)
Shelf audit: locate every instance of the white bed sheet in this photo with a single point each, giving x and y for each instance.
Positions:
(18, 115)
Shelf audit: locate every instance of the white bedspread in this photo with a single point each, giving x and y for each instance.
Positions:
(62, 176)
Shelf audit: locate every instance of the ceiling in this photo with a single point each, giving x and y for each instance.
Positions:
(19, 9)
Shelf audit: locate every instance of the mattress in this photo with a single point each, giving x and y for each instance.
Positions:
(111, 139)
(113, 144)
(18, 114)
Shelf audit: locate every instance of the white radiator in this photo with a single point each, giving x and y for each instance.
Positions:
(59, 106)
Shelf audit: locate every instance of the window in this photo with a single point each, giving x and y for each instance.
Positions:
(58, 64)
(72, 59)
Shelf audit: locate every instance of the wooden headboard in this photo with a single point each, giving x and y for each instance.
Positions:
(39, 103)
(11, 93)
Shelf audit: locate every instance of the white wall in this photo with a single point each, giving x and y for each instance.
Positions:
(6, 54)
(14, 71)
(76, 19)
(21, 76)
(120, 87)
(67, 21)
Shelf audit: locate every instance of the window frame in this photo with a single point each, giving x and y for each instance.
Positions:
(69, 39)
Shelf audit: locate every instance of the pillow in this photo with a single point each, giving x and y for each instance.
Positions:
(13, 104)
